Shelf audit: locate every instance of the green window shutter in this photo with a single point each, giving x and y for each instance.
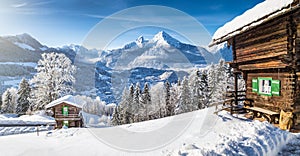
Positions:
(65, 111)
(254, 85)
(275, 87)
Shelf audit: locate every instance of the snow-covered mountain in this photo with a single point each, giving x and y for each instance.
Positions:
(25, 41)
(161, 52)
(152, 60)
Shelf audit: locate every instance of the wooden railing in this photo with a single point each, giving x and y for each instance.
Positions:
(66, 116)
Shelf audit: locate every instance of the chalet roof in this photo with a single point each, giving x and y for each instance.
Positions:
(69, 99)
(260, 13)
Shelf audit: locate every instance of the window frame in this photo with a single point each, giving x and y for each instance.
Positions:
(259, 79)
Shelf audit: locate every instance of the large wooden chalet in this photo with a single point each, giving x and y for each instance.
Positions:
(66, 111)
(265, 41)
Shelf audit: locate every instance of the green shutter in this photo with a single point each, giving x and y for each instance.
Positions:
(275, 87)
(65, 111)
(254, 85)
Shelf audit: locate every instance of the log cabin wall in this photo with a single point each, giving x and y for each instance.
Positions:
(272, 50)
(296, 18)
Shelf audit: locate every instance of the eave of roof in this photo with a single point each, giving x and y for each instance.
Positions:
(220, 37)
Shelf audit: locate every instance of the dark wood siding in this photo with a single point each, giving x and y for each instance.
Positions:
(272, 49)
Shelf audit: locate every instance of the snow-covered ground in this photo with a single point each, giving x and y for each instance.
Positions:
(197, 133)
(12, 119)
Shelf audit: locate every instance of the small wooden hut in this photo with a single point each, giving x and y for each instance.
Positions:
(66, 111)
(265, 42)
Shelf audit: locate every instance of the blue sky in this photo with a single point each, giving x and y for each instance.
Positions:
(62, 22)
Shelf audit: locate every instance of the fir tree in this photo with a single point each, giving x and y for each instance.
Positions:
(185, 102)
(194, 84)
(145, 102)
(23, 95)
(116, 117)
(204, 91)
(175, 97)
(9, 101)
(136, 103)
(124, 108)
(169, 105)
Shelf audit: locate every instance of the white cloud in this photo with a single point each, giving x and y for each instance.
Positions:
(19, 5)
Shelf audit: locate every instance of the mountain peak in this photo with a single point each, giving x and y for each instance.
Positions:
(140, 39)
(164, 38)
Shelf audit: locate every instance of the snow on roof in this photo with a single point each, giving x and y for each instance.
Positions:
(69, 99)
(252, 17)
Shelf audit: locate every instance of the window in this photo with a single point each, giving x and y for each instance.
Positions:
(65, 111)
(266, 86)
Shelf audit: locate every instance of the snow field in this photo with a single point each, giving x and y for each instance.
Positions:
(196, 133)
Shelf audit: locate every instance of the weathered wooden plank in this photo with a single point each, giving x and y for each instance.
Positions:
(264, 65)
(266, 36)
(258, 57)
(267, 27)
(269, 46)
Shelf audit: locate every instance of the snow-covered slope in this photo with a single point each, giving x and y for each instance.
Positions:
(196, 133)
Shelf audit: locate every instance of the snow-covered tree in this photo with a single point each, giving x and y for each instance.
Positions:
(125, 108)
(9, 98)
(145, 102)
(170, 107)
(136, 103)
(194, 84)
(53, 80)
(158, 105)
(23, 95)
(116, 120)
(185, 104)
(218, 81)
(221, 82)
(175, 96)
(204, 91)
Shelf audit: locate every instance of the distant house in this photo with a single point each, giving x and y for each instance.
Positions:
(265, 41)
(66, 111)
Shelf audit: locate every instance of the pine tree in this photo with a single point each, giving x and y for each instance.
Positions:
(23, 95)
(185, 102)
(53, 80)
(130, 103)
(204, 91)
(136, 103)
(124, 109)
(145, 103)
(194, 84)
(169, 105)
(9, 101)
(175, 97)
(116, 120)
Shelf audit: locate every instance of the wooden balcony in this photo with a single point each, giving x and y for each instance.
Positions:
(67, 117)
